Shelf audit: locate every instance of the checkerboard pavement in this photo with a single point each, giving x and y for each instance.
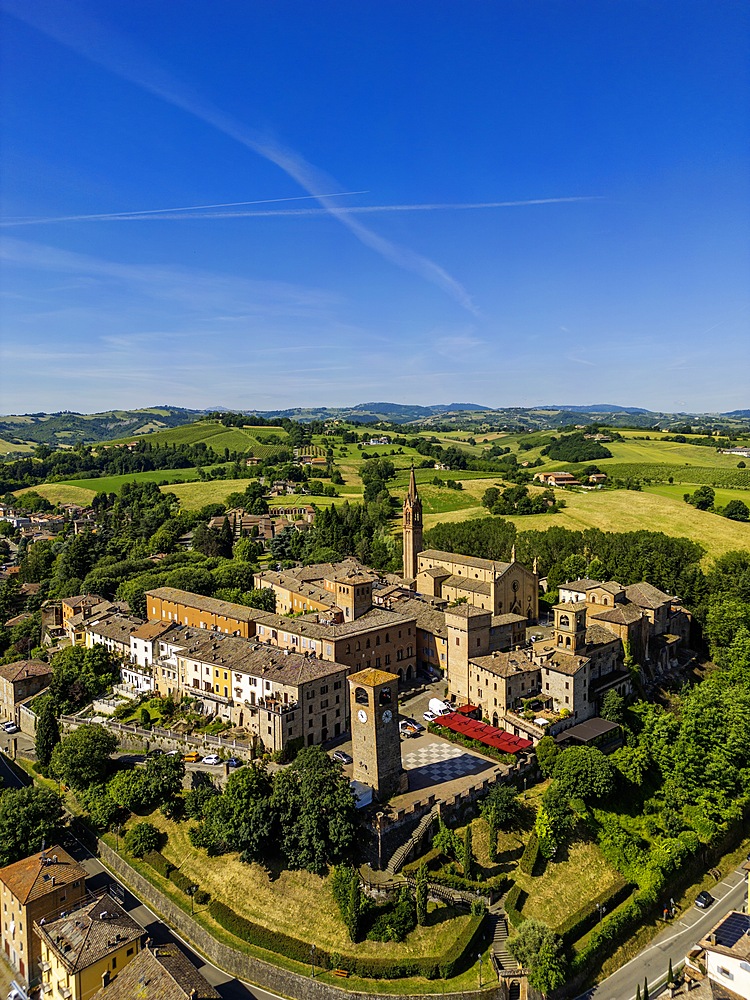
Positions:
(442, 761)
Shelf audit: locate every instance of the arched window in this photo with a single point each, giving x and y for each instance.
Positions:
(361, 696)
(564, 621)
(384, 698)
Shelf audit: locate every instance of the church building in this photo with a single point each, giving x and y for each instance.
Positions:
(501, 588)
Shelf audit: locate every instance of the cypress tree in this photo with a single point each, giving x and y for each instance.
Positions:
(468, 856)
(645, 988)
(421, 894)
(47, 733)
(670, 974)
(638, 992)
(355, 905)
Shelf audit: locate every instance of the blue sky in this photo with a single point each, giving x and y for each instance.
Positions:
(505, 202)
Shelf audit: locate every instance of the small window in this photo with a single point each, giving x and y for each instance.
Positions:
(130, 951)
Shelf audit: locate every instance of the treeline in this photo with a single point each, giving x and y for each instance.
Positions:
(356, 529)
(83, 462)
(672, 564)
(575, 448)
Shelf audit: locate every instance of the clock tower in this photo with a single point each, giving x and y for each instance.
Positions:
(376, 743)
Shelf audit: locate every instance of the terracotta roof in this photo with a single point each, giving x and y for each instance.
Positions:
(466, 583)
(152, 630)
(506, 664)
(250, 657)
(225, 609)
(581, 586)
(439, 556)
(620, 614)
(162, 973)
(31, 877)
(598, 635)
(24, 668)
(646, 596)
(89, 933)
(119, 628)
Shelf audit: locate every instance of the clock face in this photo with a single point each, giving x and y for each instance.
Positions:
(362, 715)
(387, 716)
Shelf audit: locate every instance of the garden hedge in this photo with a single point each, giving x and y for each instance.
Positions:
(514, 904)
(584, 919)
(530, 855)
(444, 966)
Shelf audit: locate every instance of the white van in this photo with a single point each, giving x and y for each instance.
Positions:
(440, 707)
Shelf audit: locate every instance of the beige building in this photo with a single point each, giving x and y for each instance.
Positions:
(19, 681)
(564, 677)
(487, 584)
(376, 638)
(277, 695)
(31, 889)
(113, 631)
(343, 590)
(86, 948)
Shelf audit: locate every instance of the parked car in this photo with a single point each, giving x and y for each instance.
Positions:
(11, 727)
(429, 716)
(192, 757)
(234, 762)
(416, 725)
(341, 757)
(156, 752)
(212, 758)
(703, 900)
(172, 753)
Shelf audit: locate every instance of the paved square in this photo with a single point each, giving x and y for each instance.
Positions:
(439, 762)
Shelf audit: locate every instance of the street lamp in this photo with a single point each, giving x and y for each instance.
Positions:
(602, 910)
(191, 891)
(480, 971)
(312, 961)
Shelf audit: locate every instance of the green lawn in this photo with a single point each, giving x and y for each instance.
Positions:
(580, 874)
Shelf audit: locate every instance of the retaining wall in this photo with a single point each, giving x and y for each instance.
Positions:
(239, 964)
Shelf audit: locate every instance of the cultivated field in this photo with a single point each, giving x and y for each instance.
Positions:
(7, 447)
(217, 437)
(61, 493)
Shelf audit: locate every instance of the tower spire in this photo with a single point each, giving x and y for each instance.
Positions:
(412, 528)
(412, 484)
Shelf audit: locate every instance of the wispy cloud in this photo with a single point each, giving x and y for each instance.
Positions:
(119, 55)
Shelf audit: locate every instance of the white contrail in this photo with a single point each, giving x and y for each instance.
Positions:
(164, 213)
(195, 211)
(122, 58)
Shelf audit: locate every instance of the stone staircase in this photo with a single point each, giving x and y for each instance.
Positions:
(401, 854)
(501, 957)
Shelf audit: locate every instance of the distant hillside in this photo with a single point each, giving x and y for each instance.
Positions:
(71, 428)
(19, 432)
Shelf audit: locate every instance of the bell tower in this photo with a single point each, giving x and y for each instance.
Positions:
(412, 528)
(376, 743)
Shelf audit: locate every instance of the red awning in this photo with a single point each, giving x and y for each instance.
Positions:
(467, 709)
(491, 736)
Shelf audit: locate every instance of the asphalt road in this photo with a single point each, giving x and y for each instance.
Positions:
(99, 878)
(674, 942)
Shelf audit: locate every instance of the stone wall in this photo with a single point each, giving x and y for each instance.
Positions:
(237, 963)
